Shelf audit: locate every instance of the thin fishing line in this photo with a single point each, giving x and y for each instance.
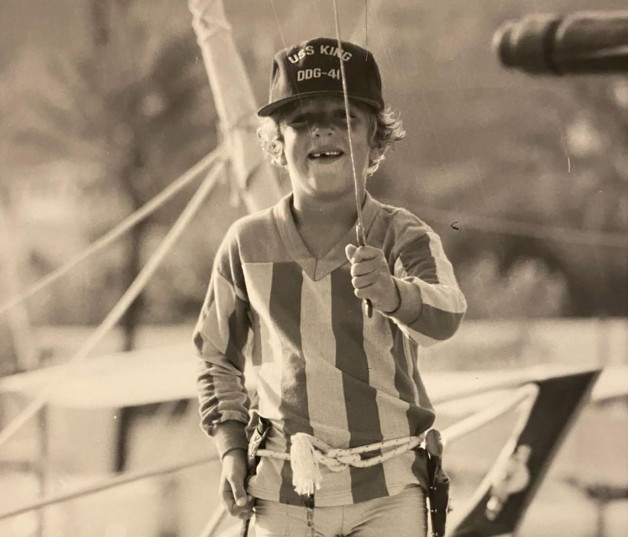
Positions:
(358, 202)
(366, 24)
(278, 23)
(345, 95)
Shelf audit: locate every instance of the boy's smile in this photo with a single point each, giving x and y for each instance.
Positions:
(316, 146)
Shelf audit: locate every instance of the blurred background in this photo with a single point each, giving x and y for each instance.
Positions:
(104, 102)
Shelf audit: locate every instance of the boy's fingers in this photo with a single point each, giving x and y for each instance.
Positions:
(243, 511)
(228, 500)
(361, 282)
(235, 498)
(350, 250)
(362, 268)
(364, 253)
(364, 292)
(239, 494)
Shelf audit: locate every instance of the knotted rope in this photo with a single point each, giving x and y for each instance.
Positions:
(307, 453)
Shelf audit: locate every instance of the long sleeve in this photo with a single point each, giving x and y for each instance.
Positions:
(220, 337)
(432, 305)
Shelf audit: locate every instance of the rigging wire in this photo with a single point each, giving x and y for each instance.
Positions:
(525, 394)
(108, 484)
(121, 306)
(214, 521)
(142, 213)
(503, 226)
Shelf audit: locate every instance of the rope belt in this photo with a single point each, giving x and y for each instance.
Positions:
(307, 453)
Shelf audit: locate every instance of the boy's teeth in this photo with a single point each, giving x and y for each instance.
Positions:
(326, 154)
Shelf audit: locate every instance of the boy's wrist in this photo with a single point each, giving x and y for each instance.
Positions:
(229, 435)
(234, 452)
(409, 307)
(398, 301)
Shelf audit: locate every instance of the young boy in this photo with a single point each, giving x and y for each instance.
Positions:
(286, 297)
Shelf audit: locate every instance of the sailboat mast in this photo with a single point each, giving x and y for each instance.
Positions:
(235, 104)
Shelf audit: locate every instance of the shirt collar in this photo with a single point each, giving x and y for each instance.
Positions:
(315, 268)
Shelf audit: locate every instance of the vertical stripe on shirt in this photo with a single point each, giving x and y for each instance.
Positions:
(285, 312)
(444, 267)
(403, 365)
(328, 416)
(420, 418)
(385, 372)
(319, 349)
(259, 276)
(217, 311)
(227, 337)
(418, 259)
(238, 333)
(360, 397)
(226, 334)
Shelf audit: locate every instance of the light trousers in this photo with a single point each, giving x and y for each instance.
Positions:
(401, 515)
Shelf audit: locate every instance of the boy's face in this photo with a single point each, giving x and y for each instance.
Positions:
(316, 146)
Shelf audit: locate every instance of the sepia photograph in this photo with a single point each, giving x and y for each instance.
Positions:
(313, 268)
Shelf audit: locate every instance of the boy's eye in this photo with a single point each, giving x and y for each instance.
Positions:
(352, 117)
(352, 121)
(298, 122)
(303, 121)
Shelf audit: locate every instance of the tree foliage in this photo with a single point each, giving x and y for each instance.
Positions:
(126, 115)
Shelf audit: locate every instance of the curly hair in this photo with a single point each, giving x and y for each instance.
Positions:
(386, 124)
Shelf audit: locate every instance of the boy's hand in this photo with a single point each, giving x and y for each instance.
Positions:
(232, 488)
(371, 277)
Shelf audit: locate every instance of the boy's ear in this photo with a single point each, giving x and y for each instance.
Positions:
(375, 152)
(281, 159)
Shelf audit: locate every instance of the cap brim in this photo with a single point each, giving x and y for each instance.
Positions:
(273, 107)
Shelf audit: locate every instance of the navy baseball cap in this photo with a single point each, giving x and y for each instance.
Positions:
(312, 68)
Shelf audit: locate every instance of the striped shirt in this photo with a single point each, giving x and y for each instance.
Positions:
(321, 365)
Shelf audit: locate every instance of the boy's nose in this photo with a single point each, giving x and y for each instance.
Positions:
(322, 130)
